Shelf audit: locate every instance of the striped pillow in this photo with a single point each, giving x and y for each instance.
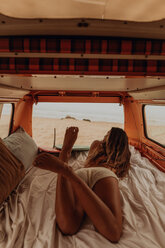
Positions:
(11, 171)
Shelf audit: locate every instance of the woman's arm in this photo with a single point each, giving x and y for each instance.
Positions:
(93, 146)
(102, 206)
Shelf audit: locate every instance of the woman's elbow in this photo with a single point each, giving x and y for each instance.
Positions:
(67, 228)
(115, 235)
(68, 231)
(115, 238)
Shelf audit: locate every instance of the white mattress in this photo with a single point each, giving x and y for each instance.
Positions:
(27, 219)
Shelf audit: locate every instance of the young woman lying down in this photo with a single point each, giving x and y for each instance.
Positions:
(92, 190)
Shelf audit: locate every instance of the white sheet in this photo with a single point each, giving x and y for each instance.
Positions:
(28, 218)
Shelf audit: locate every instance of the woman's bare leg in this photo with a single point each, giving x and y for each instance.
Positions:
(69, 213)
(102, 206)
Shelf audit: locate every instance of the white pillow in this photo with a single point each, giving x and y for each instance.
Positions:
(22, 146)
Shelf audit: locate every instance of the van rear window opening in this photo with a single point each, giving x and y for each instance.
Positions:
(50, 121)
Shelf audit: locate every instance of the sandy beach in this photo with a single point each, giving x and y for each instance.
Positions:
(43, 130)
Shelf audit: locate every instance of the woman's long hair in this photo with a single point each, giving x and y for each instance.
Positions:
(113, 152)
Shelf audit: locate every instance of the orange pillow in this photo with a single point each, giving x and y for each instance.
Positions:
(11, 172)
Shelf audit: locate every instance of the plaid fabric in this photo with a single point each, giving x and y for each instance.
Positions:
(82, 45)
(79, 66)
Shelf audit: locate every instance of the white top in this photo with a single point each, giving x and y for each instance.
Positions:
(91, 175)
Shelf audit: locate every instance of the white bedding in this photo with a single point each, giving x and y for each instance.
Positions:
(27, 219)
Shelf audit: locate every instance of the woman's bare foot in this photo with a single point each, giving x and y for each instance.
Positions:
(49, 162)
(69, 140)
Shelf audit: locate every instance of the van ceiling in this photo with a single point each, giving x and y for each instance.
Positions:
(82, 26)
(139, 88)
(133, 62)
(141, 10)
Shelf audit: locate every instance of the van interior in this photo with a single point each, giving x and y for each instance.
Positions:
(108, 57)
